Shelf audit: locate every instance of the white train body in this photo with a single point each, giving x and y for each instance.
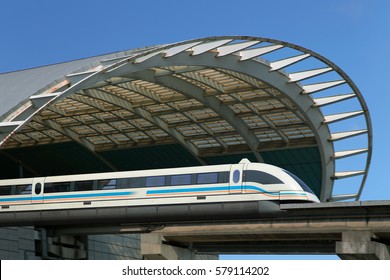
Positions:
(233, 184)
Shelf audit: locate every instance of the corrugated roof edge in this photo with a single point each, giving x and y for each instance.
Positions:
(13, 91)
(85, 58)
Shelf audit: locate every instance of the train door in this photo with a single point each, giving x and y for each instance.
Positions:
(37, 190)
(235, 180)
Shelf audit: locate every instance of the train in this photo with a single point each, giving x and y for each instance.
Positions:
(227, 191)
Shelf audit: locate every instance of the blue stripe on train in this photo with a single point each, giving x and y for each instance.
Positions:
(185, 190)
(88, 195)
(220, 188)
(66, 196)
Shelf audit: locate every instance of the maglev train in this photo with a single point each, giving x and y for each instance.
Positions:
(243, 190)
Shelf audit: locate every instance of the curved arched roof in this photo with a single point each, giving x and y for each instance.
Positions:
(217, 99)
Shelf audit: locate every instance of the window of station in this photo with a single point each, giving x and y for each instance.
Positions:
(83, 186)
(57, 187)
(107, 184)
(261, 177)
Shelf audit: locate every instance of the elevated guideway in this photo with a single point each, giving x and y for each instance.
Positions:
(352, 230)
(355, 230)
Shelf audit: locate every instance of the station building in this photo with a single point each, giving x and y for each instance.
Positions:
(199, 102)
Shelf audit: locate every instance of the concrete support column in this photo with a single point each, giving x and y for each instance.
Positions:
(357, 245)
(153, 248)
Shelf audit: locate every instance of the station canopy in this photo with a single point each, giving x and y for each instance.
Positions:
(205, 101)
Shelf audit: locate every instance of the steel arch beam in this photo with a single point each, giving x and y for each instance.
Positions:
(192, 91)
(260, 71)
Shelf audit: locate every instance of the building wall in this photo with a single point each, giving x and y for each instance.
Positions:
(114, 247)
(17, 243)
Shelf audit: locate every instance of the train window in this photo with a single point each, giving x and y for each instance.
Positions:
(261, 177)
(300, 182)
(5, 190)
(57, 187)
(177, 180)
(83, 186)
(223, 177)
(107, 184)
(38, 188)
(126, 183)
(155, 181)
(138, 182)
(236, 176)
(48, 188)
(23, 189)
(207, 178)
(122, 183)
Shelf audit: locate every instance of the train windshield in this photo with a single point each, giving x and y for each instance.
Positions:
(300, 182)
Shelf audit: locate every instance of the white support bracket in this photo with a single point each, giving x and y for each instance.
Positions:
(346, 134)
(323, 101)
(39, 100)
(277, 65)
(347, 174)
(309, 89)
(300, 76)
(248, 54)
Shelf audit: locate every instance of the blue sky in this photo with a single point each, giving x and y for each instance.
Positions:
(354, 34)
